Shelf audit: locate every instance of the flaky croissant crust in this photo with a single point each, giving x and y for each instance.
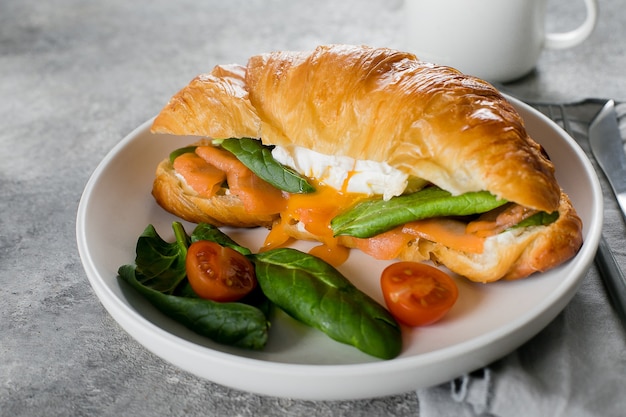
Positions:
(430, 121)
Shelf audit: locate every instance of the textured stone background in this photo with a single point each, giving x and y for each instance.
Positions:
(75, 78)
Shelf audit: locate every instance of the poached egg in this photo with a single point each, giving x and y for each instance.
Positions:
(343, 172)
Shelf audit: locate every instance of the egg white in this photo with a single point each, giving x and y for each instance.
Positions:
(362, 176)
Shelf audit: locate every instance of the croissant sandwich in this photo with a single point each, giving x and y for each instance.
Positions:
(368, 148)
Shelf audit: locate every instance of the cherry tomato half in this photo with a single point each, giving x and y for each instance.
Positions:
(417, 294)
(219, 273)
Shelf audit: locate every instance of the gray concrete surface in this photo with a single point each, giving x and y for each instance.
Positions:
(75, 78)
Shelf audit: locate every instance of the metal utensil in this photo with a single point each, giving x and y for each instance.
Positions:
(606, 145)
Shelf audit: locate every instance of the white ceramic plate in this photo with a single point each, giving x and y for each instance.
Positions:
(487, 322)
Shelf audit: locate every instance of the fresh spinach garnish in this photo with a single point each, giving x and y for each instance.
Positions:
(205, 231)
(315, 293)
(538, 219)
(235, 324)
(304, 286)
(178, 152)
(371, 217)
(258, 158)
(159, 274)
(160, 263)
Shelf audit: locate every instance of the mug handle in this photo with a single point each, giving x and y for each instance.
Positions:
(574, 37)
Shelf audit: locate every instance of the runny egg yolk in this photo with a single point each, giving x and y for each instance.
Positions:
(313, 213)
(340, 182)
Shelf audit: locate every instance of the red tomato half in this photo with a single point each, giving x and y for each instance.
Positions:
(219, 273)
(417, 294)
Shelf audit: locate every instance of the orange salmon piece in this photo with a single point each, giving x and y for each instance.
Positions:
(448, 232)
(384, 246)
(257, 195)
(202, 177)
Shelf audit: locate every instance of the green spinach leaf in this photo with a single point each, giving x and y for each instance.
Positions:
(178, 152)
(206, 231)
(235, 324)
(258, 158)
(315, 293)
(160, 263)
(373, 217)
(538, 219)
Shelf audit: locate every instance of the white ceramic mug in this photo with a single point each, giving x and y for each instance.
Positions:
(497, 40)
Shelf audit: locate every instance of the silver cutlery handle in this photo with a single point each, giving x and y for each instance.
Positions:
(616, 285)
